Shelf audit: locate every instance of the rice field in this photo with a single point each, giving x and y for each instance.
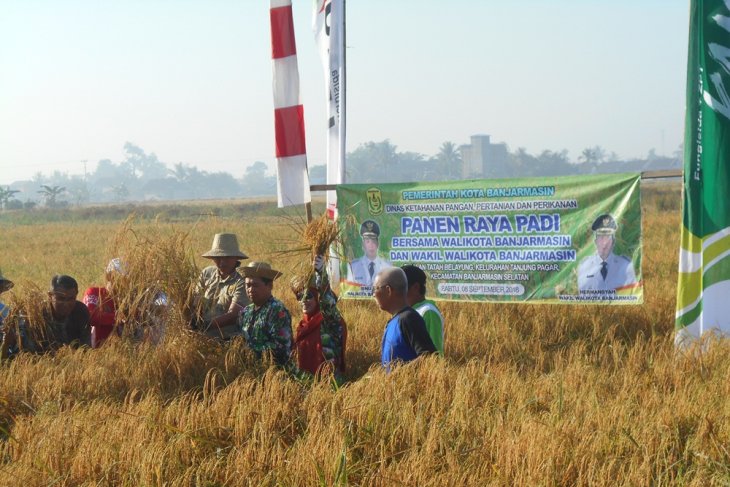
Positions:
(525, 395)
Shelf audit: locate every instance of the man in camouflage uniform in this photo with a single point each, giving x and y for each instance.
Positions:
(221, 292)
(265, 323)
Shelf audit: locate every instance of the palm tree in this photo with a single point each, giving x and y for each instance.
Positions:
(449, 160)
(50, 193)
(5, 195)
(181, 172)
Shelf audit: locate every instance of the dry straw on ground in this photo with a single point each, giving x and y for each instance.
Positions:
(526, 395)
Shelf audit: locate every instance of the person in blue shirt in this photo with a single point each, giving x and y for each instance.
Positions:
(5, 284)
(405, 337)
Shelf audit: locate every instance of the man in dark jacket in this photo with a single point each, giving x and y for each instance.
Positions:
(65, 322)
(67, 319)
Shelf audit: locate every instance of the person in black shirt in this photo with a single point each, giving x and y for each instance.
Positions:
(67, 319)
(65, 322)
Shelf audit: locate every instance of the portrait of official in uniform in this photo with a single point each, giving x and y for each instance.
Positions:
(364, 269)
(604, 270)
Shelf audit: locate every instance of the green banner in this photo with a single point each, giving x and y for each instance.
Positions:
(704, 259)
(576, 239)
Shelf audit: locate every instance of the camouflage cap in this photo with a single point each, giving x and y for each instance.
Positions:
(604, 225)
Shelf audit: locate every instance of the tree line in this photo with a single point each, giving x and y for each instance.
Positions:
(141, 176)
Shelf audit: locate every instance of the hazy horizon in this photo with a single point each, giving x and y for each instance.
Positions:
(191, 81)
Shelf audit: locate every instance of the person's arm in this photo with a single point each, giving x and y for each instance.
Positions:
(228, 318)
(327, 298)
(239, 300)
(435, 328)
(279, 324)
(415, 333)
(85, 326)
(333, 325)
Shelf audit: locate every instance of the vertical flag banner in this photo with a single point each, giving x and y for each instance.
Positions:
(328, 22)
(703, 289)
(329, 32)
(569, 240)
(291, 152)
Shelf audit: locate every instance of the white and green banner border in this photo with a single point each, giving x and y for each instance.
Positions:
(502, 240)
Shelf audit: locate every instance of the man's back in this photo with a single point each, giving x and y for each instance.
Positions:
(405, 337)
(434, 322)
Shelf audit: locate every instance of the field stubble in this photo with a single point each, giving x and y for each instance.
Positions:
(526, 395)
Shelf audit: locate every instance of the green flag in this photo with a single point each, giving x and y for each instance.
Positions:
(703, 291)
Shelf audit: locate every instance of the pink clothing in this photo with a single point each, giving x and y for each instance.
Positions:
(103, 314)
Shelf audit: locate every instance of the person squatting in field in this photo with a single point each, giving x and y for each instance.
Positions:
(322, 333)
(405, 337)
(220, 294)
(265, 323)
(101, 304)
(416, 297)
(65, 322)
(5, 285)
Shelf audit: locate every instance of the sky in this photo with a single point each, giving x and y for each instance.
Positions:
(191, 80)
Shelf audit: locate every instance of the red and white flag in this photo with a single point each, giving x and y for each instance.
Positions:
(291, 150)
(329, 32)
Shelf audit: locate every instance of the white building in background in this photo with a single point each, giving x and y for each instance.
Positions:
(483, 159)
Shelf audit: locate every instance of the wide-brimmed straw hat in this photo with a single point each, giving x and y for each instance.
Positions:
(225, 245)
(5, 284)
(260, 269)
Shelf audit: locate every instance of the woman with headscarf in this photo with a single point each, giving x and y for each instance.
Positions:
(102, 308)
(322, 333)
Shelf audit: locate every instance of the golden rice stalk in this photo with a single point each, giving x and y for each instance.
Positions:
(320, 234)
(316, 237)
(152, 265)
(29, 306)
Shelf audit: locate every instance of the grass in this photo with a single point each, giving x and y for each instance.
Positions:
(526, 394)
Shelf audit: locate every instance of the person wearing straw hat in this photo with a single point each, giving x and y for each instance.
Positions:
(605, 271)
(221, 291)
(265, 323)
